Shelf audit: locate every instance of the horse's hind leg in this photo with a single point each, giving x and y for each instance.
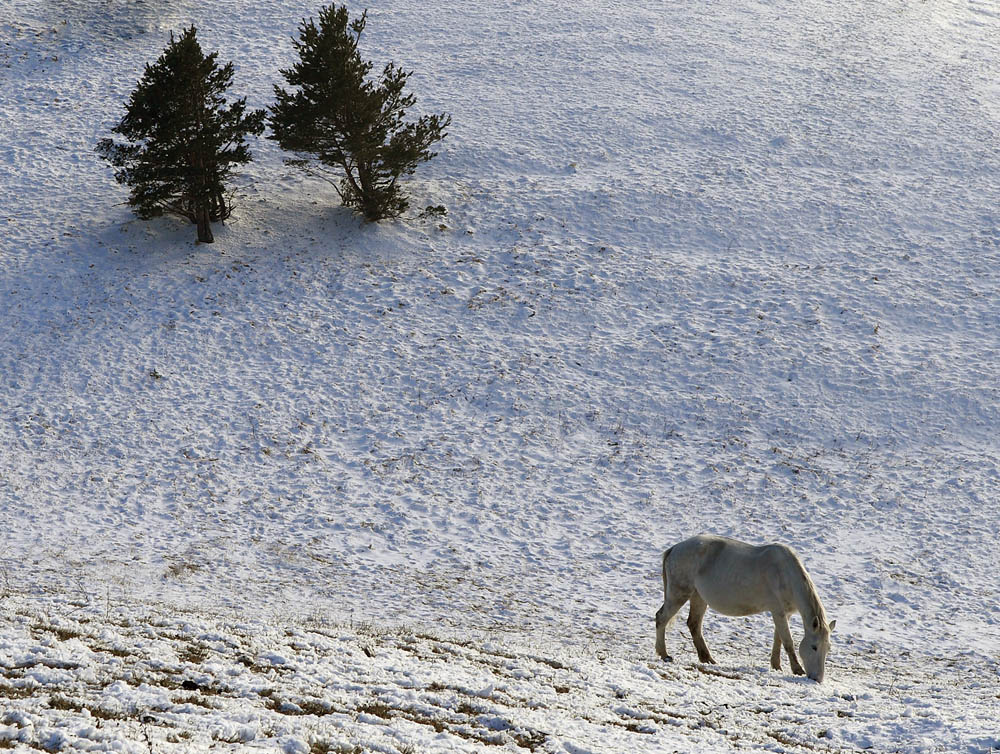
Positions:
(664, 617)
(783, 632)
(695, 617)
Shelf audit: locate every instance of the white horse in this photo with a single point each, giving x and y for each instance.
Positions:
(735, 578)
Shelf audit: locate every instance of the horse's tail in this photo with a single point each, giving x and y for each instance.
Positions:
(663, 570)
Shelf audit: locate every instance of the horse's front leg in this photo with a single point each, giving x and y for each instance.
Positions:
(776, 652)
(785, 635)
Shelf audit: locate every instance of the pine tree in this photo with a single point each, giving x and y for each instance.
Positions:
(182, 140)
(352, 126)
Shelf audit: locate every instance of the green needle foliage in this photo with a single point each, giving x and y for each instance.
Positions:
(182, 140)
(346, 125)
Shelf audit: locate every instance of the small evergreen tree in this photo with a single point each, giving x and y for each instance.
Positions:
(182, 139)
(349, 123)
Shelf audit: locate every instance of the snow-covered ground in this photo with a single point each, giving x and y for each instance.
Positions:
(321, 486)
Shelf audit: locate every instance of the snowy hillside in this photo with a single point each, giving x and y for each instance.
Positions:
(323, 486)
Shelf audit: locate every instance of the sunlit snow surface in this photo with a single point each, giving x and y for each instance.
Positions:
(726, 267)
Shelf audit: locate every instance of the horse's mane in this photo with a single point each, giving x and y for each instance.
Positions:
(809, 596)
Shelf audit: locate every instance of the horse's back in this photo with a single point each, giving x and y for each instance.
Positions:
(714, 546)
(710, 546)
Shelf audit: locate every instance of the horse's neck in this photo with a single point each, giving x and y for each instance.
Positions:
(807, 600)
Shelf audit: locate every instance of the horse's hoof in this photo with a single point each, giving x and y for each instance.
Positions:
(666, 658)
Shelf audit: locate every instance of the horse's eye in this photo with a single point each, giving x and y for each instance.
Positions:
(815, 648)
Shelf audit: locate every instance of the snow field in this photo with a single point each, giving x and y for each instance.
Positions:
(134, 682)
(731, 270)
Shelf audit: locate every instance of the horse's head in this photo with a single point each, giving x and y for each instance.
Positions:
(814, 648)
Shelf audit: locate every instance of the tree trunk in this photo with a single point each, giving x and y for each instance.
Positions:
(204, 226)
(369, 198)
(220, 210)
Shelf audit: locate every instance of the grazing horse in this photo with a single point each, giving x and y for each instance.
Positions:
(735, 578)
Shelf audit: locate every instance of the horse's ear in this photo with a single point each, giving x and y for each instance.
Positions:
(833, 624)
